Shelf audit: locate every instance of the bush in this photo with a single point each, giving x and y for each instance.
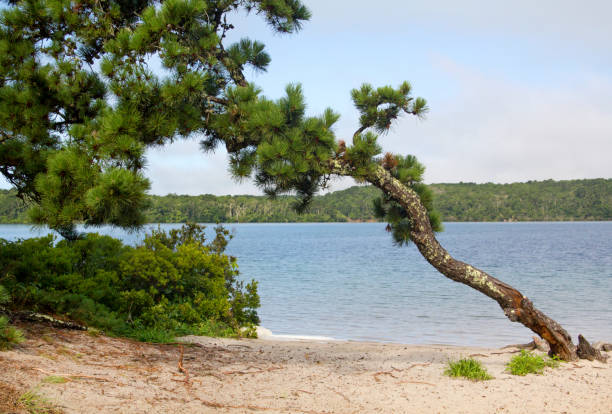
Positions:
(468, 368)
(529, 363)
(173, 283)
(9, 335)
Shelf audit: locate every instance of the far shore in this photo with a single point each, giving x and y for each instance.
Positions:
(76, 372)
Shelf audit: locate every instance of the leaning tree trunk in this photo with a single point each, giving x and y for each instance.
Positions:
(516, 306)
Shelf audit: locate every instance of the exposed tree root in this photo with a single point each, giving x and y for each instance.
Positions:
(181, 368)
(586, 351)
(377, 374)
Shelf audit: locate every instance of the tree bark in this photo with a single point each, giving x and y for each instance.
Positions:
(516, 306)
(586, 351)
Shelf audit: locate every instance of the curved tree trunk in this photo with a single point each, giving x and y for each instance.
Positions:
(516, 307)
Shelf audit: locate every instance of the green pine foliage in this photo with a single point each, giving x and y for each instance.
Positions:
(410, 173)
(9, 335)
(172, 283)
(80, 104)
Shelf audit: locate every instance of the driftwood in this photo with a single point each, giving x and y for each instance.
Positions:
(602, 346)
(537, 343)
(586, 351)
(46, 319)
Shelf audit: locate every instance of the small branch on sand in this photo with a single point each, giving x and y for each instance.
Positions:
(340, 394)
(394, 369)
(187, 344)
(376, 374)
(425, 364)
(537, 343)
(304, 391)
(506, 352)
(251, 372)
(416, 382)
(214, 404)
(71, 376)
(215, 375)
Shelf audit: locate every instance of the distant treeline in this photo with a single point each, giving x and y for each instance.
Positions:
(531, 201)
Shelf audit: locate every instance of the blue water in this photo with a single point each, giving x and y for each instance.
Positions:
(348, 281)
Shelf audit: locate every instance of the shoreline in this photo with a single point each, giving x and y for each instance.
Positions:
(219, 375)
(266, 334)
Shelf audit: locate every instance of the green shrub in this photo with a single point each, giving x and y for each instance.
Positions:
(35, 403)
(468, 368)
(9, 335)
(529, 363)
(172, 283)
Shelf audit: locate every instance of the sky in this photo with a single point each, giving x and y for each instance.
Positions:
(517, 90)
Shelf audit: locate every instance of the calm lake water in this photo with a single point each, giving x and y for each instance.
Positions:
(348, 281)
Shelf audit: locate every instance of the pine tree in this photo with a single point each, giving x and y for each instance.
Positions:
(79, 105)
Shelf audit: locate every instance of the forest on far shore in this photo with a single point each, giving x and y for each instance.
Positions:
(570, 200)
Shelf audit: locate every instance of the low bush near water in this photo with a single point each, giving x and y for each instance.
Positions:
(173, 283)
(468, 368)
(529, 363)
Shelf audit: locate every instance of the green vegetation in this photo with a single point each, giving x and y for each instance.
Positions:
(34, 403)
(80, 103)
(532, 201)
(173, 283)
(572, 200)
(55, 379)
(9, 335)
(530, 363)
(468, 368)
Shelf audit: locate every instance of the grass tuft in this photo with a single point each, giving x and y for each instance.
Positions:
(468, 368)
(530, 363)
(55, 379)
(36, 404)
(9, 335)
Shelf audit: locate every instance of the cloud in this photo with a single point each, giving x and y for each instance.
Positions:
(518, 90)
(182, 168)
(561, 19)
(500, 130)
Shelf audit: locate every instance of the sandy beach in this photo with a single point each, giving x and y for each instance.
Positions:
(74, 372)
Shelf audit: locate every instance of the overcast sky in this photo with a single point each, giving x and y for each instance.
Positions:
(517, 90)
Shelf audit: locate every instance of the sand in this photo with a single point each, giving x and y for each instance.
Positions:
(107, 375)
